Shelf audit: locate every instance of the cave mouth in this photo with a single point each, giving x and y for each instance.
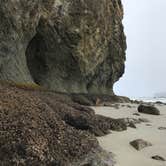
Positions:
(36, 59)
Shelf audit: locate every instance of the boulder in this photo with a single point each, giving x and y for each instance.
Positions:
(140, 144)
(148, 109)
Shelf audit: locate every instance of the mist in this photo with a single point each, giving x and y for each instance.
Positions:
(145, 28)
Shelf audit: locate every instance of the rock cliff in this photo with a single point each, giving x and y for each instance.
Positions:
(73, 47)
(68, 46)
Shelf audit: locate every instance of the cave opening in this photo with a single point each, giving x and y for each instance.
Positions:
(36, 59)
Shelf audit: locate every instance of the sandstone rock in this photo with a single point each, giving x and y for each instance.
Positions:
(158, 158)
(66, 46)
(148, 109)
(140, 144)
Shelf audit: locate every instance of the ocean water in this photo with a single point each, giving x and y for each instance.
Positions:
(151, 99)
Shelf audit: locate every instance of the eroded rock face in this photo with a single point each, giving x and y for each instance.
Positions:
(65, 45)
(45, 128)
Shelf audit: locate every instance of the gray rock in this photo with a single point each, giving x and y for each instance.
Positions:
(129, 106)
(159, 102)
(129, 122)
(67, 46)
(136, 114)
(144, 120)
(148, 109)
(140, 144)
(148, 125)
(162, 128)
(158, 158)
(132, 125)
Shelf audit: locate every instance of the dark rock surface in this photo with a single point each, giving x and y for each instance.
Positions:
(157, 157)
(44, 128)
(69, 46)
(162, 128)
(159, 102)
(99, 100)
(140, 144)
(148, 125)
(136, 114)
(148, 109)
(144, 120)
(132, 125)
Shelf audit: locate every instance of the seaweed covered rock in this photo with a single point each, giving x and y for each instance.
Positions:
(44, 128)
(69, 46)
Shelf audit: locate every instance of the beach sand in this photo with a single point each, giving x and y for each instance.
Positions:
(118, 142)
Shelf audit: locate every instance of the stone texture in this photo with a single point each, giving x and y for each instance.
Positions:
(148, 109)
(39, 127)
(159, 158)
(162, 128)
(144, 120)
(136, 114)
(64, 45)
(98, 99)
(140, 144)
(71, 46)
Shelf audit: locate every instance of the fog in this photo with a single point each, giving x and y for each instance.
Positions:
(145, 28)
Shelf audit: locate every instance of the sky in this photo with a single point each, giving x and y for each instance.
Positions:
(145, 28)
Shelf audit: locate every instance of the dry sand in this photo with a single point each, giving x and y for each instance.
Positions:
(118, 142)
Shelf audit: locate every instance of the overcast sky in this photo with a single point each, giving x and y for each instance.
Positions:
(145, 28)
